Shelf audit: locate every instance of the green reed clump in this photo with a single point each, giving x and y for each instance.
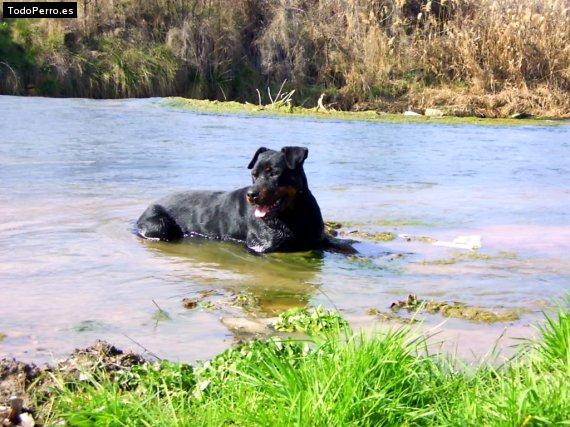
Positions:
(107, 67)
(130, 71)
(388, 379)
(554, 349)
(532, 389)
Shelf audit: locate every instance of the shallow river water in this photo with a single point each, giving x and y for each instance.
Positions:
(75, 174)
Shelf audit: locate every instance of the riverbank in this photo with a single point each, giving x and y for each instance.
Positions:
(468, 58)
(330, 377)
(280, 109)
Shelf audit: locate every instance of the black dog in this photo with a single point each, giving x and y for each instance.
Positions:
(276, 213)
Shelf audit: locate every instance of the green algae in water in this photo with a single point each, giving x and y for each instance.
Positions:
(88, 326)
(382, 236)
(200, 300)
(332, 228)
(283, 110)
(402, 222)
(387, 316)
(298, 259)
(361, 261)
(456, 310)
(392, 223)
(470, 256)
(161, 316)
(207, 305)
(423, 239)
(246, 301)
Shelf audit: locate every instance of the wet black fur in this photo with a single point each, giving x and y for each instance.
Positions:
(229, 216)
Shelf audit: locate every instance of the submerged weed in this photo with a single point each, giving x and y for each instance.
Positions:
(471, 256)
(207, 305)
(455, 309)
(89, 326)
(332, 227)
(383, 236)
(246, 301)
(160, 315)
(387, 316)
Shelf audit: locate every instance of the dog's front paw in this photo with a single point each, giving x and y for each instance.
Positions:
(256, 246)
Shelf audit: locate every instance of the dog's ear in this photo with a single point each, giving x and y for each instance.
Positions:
(255, 156)
(295, 156)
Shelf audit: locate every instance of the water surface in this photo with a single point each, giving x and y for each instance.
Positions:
(75, 174)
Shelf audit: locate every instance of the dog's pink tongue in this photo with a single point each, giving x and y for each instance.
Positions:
(261, 211)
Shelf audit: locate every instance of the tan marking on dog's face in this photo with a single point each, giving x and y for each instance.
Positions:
(264, 195)
(288, 194)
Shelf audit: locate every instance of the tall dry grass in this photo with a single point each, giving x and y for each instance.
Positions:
(509, 55)
(483, 57)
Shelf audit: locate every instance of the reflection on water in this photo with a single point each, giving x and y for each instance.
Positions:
(75, 174)
(276, 281)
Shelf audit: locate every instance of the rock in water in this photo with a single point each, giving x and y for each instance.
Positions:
(242, 325)
(461, 242)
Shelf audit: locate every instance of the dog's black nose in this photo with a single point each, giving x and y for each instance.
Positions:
(253, 196)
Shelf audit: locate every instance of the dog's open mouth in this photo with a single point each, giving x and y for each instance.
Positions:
(262, 211)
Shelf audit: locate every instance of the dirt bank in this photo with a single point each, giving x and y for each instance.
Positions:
(17, 378)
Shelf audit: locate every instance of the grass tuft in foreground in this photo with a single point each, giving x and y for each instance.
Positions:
(310, 321)
(329, 380)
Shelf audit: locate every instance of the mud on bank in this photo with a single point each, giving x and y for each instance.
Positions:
(24, 386)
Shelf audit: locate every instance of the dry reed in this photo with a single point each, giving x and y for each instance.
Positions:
(468, 57)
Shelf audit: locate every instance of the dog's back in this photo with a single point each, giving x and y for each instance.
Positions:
(210, 214)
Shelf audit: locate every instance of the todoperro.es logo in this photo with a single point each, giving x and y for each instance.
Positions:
(29, 9)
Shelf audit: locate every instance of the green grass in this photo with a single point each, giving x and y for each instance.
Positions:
(233, 107)
(310, 321)
(336, 379)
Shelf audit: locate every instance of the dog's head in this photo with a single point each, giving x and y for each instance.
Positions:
(278, 180)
